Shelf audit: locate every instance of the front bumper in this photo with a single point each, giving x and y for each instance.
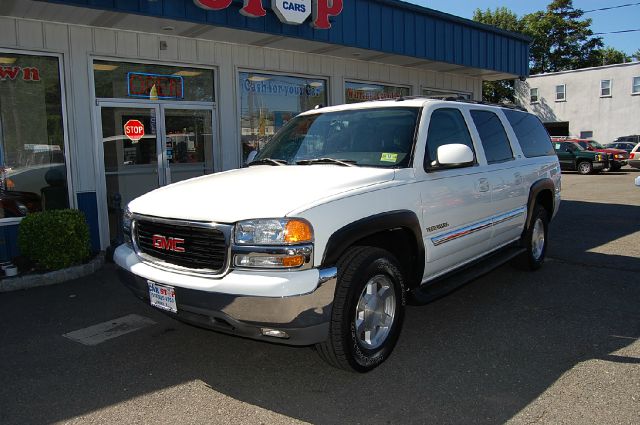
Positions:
(304, 318)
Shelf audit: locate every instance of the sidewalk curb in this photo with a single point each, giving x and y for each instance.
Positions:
(52, 278)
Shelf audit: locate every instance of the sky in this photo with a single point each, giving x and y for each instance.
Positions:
(603, 21)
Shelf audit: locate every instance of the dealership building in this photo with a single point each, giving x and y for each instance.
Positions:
(104, 100)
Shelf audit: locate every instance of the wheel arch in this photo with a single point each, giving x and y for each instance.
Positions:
(398, 232)
(541, 193)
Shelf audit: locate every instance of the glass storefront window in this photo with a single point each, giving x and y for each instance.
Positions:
(32, 156)
(444, 93)
(152, 82)
(362, 92)
(268, 102)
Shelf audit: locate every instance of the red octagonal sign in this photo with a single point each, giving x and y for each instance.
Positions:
(134, 130)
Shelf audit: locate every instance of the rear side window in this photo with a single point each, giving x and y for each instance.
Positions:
(494, 139)
(532, 136)
(447, 126)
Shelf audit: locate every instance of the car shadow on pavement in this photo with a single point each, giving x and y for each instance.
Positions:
(479, 355)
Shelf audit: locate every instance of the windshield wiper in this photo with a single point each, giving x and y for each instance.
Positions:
(344, 162)
(267, 161)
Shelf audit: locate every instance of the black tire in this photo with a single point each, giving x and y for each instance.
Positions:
(534, 256)
(356, 268)
(616, 167)
(585, 167)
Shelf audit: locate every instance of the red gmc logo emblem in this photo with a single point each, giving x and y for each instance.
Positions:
(168, 244)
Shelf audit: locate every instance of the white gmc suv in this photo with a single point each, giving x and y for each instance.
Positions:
(346, 215)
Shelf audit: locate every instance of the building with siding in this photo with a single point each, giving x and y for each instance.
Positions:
(602, 103)
(103, 100)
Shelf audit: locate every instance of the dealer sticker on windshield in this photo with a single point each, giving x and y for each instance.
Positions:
(389, 157)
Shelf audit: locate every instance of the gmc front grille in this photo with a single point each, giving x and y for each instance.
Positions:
(204, 248)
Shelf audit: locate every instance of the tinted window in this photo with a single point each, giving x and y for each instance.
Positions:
(447, 126)
(494, 138)
(532, 136)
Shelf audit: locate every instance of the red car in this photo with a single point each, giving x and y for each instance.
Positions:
(617, 157)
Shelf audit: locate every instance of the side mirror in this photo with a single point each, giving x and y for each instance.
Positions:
(455, 155)
(251, 157)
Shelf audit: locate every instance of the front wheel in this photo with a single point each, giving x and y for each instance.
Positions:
(368, 310)
(534, 241)
(585, 167)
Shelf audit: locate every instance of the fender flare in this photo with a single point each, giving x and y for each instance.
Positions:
(539, 186)
(348, 235)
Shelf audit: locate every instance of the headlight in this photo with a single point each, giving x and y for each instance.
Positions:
(127, 218)
(278, 231)
(279, 243)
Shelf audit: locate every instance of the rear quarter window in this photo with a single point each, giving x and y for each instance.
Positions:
(532, 136)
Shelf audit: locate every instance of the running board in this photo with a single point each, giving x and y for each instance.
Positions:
(448, 283)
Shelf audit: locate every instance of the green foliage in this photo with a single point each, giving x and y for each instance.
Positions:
(561, 39)
(611, 56)
(636, 55)
(501, 17)
(54, 239)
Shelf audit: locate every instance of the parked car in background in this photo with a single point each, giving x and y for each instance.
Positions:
(634, 157)
(574, 157)
(617, 157)
(633, 139)
(625, 146)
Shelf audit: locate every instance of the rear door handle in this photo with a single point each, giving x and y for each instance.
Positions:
(483, 185)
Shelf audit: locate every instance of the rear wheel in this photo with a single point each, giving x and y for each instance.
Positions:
(368, 310)
(585, 167)
(534, 240)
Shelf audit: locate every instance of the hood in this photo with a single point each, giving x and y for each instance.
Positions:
(261, 191)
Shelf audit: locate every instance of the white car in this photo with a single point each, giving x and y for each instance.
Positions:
(634, 157)
(346, 215)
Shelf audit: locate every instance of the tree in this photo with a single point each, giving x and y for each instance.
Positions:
(610, 56)
(501, 17)
(636, 55)
(503, 90)
(561, 39)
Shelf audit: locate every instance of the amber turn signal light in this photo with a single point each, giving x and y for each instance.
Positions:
(297, 231)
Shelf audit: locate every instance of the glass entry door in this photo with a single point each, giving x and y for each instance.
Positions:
(131, 156)
(188, 143)
(145, 146)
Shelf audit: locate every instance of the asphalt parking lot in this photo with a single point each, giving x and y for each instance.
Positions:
(560, 345)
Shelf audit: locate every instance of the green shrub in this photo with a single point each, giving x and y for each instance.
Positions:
(54, 239)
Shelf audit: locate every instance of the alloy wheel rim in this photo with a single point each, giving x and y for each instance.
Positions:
(537, 240)
(584, 167)
(375, 312)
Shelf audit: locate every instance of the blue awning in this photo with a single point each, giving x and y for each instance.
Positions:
(386, 26)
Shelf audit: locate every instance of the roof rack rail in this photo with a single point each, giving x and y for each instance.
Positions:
(459, 99)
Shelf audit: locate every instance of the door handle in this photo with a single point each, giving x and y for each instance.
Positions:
(483, 185)
(518, 178)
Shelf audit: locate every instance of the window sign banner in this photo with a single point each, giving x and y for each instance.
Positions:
(362, 92)
(291, 12)
(12, 73)
(281, 88)
(155, 86)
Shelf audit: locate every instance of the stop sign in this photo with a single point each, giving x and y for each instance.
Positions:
(134, 130)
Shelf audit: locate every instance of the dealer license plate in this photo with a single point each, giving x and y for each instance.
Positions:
(163, 297)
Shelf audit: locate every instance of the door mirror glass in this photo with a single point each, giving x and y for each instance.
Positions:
(455, 155)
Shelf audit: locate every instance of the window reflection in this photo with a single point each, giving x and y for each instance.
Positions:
(32, 159)
(268, 102)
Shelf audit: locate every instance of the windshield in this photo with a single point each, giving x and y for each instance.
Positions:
(376, 137)
(595, 144)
